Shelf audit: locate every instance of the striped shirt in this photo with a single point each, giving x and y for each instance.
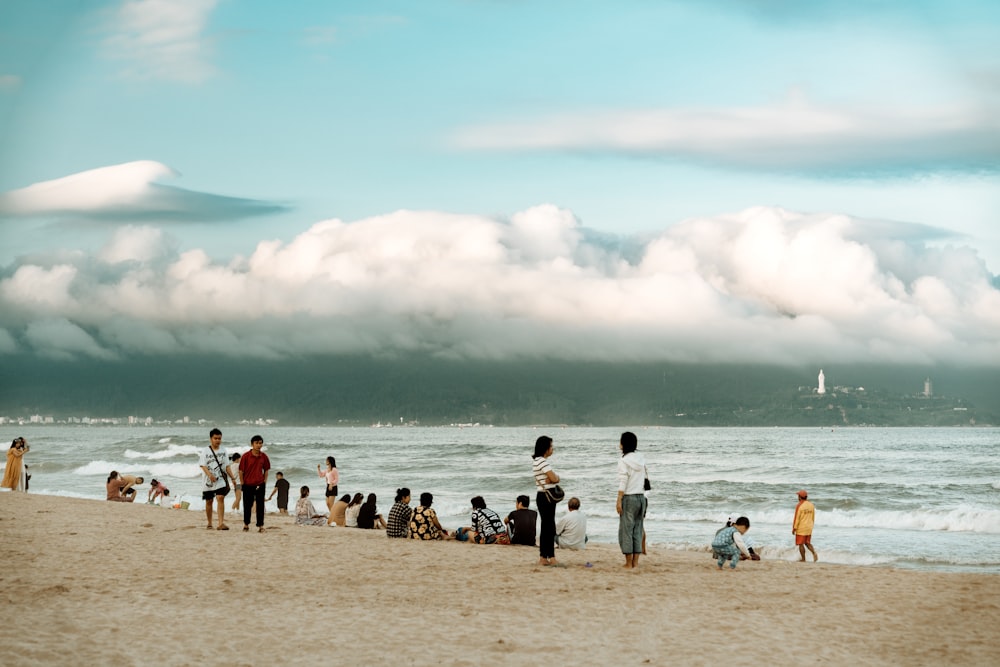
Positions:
(540, 466)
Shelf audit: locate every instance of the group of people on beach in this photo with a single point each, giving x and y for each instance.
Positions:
(249, 473)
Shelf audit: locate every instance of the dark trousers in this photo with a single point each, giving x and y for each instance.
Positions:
(253, 496)
(547, 533)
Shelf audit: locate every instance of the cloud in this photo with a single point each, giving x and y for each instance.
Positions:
(793, 136)
(129, 192)
(162, 39)
(764, 285)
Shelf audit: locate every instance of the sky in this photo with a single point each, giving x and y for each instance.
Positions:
(731, 181)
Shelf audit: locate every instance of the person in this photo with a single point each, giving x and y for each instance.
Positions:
(155, 492)
(15, 474)
(631, 503)
(120, 489)
(305, 512)
(802, 526)
(368, 516)
(216, 485)
(571, 528)
(165, 499)
(281, 486)
(545, 478)
(332, 477)
(398, 523)
(351, 513)
(747, 540)
(424, 524)
(233, 470)
(487, 526)
(338, 514)
(522, 522)
(254, 469)
(728, 543)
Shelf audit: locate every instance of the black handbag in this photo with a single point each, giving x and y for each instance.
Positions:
(555, 494)
(645, 482)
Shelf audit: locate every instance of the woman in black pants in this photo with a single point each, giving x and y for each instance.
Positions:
(545, 478)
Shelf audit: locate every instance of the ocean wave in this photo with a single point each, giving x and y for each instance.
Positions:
(103, 468)
(169, 452)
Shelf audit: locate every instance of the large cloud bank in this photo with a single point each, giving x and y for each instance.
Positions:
(764, 285)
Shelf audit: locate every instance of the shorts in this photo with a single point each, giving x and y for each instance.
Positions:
(803, 539)
(331, 491)
(212, 493)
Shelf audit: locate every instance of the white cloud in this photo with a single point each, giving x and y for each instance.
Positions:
(129, 191)
(763, 285)
(795, 135)
(163, 39)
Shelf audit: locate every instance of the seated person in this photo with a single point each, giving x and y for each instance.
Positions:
(338, 513)
(424, 524)
(571, 528)
(120, 487)
(368, 516)
(305, 511)
(351, 513)
(521, 523)
(487, 526)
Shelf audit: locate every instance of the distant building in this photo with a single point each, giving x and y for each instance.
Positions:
(821, 388)
(928, 389)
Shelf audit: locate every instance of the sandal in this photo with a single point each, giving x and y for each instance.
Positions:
(261, 530)
(246, 528)
(209, 527)
(223, 527)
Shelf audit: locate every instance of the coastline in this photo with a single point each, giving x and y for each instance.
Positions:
(134, 583)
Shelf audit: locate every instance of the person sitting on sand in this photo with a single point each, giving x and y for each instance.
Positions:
(424, 524)
(522, 522)
(368, 516)
(120, 489)
(571, 528)
(351, 513)
(338, 514)
(728, 543)
(487, 526)
(398, 524)
(305, 512)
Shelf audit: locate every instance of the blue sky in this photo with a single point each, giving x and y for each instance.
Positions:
(585, 133)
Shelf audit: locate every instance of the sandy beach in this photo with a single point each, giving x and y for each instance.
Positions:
(90, 582)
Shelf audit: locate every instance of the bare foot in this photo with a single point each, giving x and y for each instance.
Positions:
(815, 557)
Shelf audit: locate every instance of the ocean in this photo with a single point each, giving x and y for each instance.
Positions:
(920, 498)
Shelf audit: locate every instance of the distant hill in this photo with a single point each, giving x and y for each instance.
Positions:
(353, 390)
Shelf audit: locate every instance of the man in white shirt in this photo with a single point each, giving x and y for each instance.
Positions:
(571, 528)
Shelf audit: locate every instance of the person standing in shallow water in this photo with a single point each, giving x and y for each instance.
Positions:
(802, 526)
(631, 504)
(545, 478)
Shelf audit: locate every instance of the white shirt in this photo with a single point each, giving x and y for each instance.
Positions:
(571, 528)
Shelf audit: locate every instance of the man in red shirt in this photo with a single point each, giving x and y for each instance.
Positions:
(254, 468)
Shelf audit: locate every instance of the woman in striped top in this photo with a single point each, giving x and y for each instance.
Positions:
(545, 478)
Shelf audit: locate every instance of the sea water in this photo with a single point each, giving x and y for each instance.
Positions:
(924, 498)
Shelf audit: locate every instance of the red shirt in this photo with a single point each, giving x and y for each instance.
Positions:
(252, 468)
